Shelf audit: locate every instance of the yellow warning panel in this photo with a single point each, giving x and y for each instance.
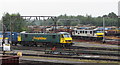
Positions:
(19, 38)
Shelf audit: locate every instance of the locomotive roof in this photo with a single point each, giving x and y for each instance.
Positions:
(47, 33)
(86, 30)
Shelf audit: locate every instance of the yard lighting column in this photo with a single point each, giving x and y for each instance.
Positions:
(103, 30)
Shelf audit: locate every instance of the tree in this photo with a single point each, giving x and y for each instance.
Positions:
(14, 22)
(112, 15)
(118, 23)
(0, 25)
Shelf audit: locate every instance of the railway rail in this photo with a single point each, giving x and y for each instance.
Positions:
(72, 47)
(71, 57)
(95, 48)
(74, 57)
(76, 50)
(107, 41)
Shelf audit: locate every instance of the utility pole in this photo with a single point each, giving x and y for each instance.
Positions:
(118, 17)
(3, 32)
(103, 30)
(10, 30)
(55, 24)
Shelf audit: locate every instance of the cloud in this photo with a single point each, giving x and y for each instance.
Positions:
(57, 7)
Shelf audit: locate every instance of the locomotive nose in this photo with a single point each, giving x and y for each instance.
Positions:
(68, 41)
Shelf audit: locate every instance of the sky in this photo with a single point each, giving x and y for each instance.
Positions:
(58, 7)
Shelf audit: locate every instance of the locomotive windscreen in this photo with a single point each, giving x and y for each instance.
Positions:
(67, 35)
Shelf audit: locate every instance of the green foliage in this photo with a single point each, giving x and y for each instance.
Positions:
(118, 23)
(0, 25)
(14, 22)
(110, 20)
(19, 24)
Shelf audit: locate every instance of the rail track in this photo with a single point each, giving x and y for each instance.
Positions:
(74, 57)
(75, 49)
(73, 52)
(94, 48)
(72, 47)
(107, 41)
(70, 57)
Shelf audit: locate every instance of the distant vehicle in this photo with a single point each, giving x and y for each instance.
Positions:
(109, 31)
(91, 34)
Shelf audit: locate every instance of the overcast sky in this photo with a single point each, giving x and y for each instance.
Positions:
(58, 7)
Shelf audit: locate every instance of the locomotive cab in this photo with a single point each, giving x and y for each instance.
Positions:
(98, 33)
(65, 38)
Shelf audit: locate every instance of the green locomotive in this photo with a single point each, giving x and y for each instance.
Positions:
(62, 38)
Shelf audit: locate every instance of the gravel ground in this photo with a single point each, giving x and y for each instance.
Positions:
(48, 63)
(90, 44)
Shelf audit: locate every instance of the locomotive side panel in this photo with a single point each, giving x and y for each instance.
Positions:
(83, 33)
(46, 38)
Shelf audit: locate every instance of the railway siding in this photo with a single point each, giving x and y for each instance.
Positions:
(90, 44)
(80, 57)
